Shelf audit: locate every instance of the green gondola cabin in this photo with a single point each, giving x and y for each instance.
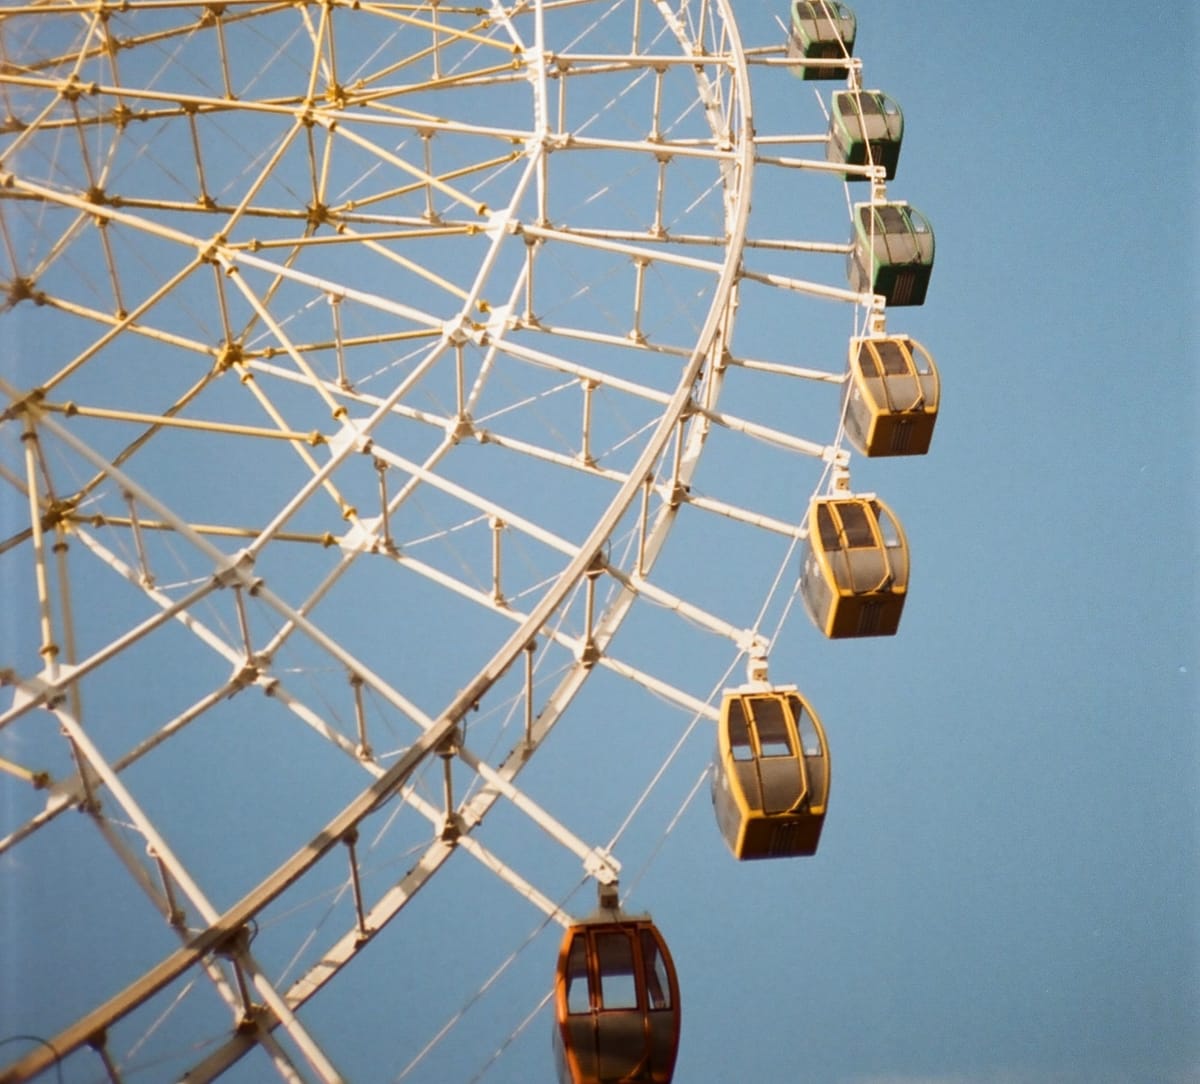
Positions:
(892, 252)
(770, 780)
(822, 30)
(616, 1003)
(865, 129)
(854, 570)
(891, 398)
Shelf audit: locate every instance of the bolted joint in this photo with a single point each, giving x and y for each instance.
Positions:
(57, 513)
(756, 663)
(450, 745)
(679, 494)
(21, 289)
(452, 828)
(589, 654)
(236, 572)
(460, 426)
(234, 943)
(248, 1021)
(229, 355)
(244, 676)
(602, 866)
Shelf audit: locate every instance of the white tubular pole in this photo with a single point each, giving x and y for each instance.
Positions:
(310, 1049)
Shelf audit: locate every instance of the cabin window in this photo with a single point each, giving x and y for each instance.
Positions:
(887, 528)
(868, 361)
(770, 723)
(827, 529)
(618, 983)
(658, 984)
(895, 361)
(810, 742)
(850, 105)
(577, 977)
(739, 731)
(891, 220)
(857, 526)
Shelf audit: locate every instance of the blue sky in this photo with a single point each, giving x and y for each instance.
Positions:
(1029, 911)
(1008, 885)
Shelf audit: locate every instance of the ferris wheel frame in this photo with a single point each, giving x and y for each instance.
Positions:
(682, 428)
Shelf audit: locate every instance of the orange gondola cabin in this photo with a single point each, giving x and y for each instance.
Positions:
(854, 572)
(770, 784)
(616, 1003)
(891, 396)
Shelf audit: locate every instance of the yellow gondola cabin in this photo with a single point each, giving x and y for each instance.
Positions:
(891, 396)
(770, 783)
(616, 1003)
(854, 572)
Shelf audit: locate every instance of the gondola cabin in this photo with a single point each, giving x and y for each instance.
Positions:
(865, 128)
(770, 782)
(854, 572)
(891, 400)
(821, 30)
(616, 1003)
(892, 252)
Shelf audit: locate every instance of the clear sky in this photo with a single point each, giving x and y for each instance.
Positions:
(1008, 885)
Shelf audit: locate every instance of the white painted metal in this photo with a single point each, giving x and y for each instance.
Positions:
(357, 425)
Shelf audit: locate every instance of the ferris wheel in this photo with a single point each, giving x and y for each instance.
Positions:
(390, 392)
